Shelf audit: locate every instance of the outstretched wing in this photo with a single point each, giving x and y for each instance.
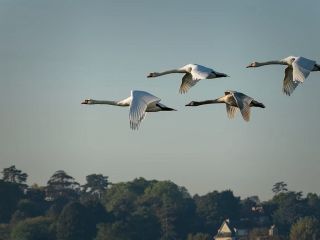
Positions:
(200, 72)
(187, 83)
(138, 106)
(243, 101)
(288, 84)
(301, 68)
(231, 111)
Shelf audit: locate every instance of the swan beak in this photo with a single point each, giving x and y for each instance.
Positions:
(84, 102)
(150, 75)
(249, 66)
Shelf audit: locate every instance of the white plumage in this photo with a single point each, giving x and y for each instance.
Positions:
(140, 103)
(193, 74)
(233, 100)
(298, 69)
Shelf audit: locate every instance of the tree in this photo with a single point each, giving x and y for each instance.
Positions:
(96, 185)
(38, 228)
(199, 236)
(13, 175)
(279, 187)
(213, 208)
(290, 207)
(307, 228)
(61, 184)
(10, 194)
(73, 223)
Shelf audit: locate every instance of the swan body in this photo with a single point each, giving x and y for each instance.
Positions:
(233, 100)
(193, 73)
(140, 102)
(298, 69)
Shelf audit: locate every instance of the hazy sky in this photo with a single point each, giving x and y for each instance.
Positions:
(53, 54)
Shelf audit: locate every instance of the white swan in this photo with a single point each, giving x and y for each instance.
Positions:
(233, 100)
(297, 71)
(140, 102)
(193, 74)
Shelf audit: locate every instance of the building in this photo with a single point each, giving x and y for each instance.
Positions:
(228, 231)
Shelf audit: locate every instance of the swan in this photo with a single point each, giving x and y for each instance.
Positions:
(298, 69)
(193, 73)
(140, 102)
(233, 100)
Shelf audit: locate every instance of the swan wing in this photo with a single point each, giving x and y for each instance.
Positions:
(138, 106)
(200, 72)
(288, 84)
(187, 82)
(231, 111)
(301, 68)
(243, 101)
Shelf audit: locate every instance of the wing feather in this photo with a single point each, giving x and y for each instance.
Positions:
(243, 101)
(301, 68)
(138, 106)
(231, 111)
(187, 83)
(288, 84)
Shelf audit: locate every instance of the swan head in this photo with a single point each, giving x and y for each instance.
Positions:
(288, 60)
(253, 64)
(87, 101)
(153, 74)
(192, 103)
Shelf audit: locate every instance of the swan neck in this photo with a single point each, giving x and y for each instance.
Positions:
(208, 102)
(279, 62)
(104, 102)
(170, 71)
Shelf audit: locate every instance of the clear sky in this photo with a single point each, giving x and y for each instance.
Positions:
(53, 54)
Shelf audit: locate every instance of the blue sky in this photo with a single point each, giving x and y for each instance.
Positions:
(53, 54)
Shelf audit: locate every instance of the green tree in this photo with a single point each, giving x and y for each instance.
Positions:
(290, 207)
(173, 207)
(73, 223)
(199, 236)
(96, 185)
(307, 228)
(33, 229)
(279, 187)
(61, 184)
(113, 231)
(13, 175)
(10, 194)
(215, 207)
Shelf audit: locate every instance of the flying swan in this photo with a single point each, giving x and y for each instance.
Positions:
(193, 74)
(298, 69)
(233, 100)
(140, 102)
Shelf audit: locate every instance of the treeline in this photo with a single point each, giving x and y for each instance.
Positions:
(143, 210)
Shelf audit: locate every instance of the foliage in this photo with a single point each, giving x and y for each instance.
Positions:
(73, 223)
(199, 236)
(279, 187)
(10, 194)
(13, 175)
(33, 229)
(215, 207)
(307, 228)
(61, 184)
(96, 185)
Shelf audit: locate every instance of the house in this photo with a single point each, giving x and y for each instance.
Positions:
(228, 231)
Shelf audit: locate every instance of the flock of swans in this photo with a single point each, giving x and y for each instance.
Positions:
(141, 102)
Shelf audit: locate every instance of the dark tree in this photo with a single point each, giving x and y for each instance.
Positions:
(10, 194)
(73, 223)
(33, 229)
(279, 187)
(307, 228)
(215, 207)
(96, 185)
(13, 175)
(62, 185)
